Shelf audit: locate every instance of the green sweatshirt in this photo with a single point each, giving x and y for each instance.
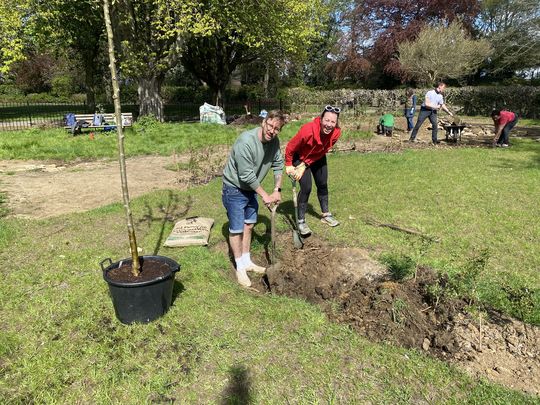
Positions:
(250, 160)
(387, 120)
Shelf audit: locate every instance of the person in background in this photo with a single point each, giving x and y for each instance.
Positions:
(433, 102)
(305, 157)
(254, 153)
(410, 107)
(386, 124)
(504, 122)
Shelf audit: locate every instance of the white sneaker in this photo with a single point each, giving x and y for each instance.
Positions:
(243, 278)
(256, 269)
(329, 220)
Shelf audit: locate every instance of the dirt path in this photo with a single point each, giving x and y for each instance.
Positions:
(38, 189)
(41, 190)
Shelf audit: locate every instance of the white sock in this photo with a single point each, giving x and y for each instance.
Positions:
(240, 263)
(246, 257)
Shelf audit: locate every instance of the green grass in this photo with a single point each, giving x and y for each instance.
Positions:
(471, 199)
(60, 341)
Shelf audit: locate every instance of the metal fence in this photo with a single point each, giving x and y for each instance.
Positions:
(16, 116)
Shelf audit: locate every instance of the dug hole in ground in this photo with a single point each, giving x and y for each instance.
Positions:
(354, 289)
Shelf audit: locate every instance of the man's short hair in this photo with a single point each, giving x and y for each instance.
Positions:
(495, 113)
(280, 115)
(440, 83)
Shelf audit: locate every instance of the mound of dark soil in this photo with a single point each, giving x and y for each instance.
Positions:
(247, 119)
(354, 289)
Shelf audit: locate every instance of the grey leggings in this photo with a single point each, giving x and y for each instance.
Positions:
(319, 171)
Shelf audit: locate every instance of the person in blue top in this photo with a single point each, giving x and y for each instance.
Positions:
(410, 107)
(433, 102)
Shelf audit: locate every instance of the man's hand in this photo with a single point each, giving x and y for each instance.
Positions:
(268, 199)
(276, 195)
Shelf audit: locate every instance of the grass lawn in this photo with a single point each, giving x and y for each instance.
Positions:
(60, 341)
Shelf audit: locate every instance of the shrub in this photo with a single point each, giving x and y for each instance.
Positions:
(400, 267)
(525, 100)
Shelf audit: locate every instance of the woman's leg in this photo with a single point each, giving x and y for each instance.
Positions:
(303, 194)
(320, 175)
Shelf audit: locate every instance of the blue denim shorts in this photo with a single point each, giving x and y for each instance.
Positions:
(241, 206)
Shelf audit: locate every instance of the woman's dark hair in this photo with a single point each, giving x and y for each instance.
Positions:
(495, 113)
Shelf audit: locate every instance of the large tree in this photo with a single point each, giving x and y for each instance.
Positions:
(513, 28)
(76, 28)
(246, 30)
(151, 34)
(391, 22)
(442, 52)
(12, 15)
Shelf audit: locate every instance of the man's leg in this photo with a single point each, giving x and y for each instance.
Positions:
(421, 118)
(235, 202)
(505, 136)
(434, 126)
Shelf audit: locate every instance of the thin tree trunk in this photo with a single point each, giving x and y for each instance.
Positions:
(135, 269)
(150, 102)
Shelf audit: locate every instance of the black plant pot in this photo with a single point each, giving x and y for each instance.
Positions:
(141, 301)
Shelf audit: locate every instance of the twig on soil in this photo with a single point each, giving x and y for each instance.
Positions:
(425, 309)
(374, 222)
(56, 231)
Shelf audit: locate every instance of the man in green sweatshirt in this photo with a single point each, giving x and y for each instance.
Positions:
(253, 154)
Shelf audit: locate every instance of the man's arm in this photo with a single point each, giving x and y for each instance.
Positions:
(498, 131)
(443, 106)
(277, 187)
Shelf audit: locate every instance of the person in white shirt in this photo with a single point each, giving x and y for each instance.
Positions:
(433, 102)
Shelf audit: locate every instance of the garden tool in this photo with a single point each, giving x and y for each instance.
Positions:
(273, 270)
(297, 238)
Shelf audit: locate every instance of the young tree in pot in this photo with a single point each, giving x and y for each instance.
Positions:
(147, 294)
(120, 131)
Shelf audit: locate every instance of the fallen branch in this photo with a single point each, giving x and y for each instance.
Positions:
(374, 222)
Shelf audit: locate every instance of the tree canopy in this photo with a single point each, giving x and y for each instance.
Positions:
(12, 14)
(442, 52)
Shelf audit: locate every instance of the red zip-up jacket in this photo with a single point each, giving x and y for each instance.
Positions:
(308, 145)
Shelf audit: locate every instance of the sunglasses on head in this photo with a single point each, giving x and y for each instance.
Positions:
(330, 108)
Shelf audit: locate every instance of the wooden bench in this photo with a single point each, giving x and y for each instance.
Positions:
(109, 121)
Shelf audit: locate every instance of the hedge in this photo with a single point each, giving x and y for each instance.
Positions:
(525, 100)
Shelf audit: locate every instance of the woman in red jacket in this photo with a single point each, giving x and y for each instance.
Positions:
(305, 157)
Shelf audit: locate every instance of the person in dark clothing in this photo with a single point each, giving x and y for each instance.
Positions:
(433, 102)
(504, 122)
(410, 108)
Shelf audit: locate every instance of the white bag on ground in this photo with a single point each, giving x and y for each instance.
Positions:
(193, 231)
(212, 113)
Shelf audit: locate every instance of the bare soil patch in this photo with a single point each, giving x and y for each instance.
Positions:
(355, 290)
(37, 189)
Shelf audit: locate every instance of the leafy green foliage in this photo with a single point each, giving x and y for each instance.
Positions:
(442, 52)
(400, 267)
